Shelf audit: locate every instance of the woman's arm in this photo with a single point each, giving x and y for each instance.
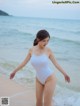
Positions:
(22, 64)
(54, 61)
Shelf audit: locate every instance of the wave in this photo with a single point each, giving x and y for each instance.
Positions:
(65, 40)
(15, 32)
(20, 32)
(66, 97)
(64, 30)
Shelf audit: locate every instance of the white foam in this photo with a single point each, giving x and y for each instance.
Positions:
(66, 97)
(77, 103)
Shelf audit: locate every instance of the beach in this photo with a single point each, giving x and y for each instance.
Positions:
(16, 38)
(18, 95)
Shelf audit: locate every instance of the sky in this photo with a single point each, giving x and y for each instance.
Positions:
(41, 8)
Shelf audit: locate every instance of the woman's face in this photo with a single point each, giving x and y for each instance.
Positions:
(44, 42)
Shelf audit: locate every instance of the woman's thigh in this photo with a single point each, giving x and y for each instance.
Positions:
(39, 91)
(49, 89)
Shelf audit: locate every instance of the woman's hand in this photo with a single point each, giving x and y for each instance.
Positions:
(67, 78)
(12, 75)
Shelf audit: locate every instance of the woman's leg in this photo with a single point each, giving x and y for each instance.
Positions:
(49, 91)
(39, 93)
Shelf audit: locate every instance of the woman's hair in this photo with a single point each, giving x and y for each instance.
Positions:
(42, 34)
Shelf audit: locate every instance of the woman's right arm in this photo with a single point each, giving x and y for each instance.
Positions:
(22, 64)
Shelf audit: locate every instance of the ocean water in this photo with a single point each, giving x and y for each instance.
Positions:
(16, 38)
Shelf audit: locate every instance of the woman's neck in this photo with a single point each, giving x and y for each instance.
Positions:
(41, 48)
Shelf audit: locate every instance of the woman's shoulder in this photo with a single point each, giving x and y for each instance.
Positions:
(31, 49)
(48, 49)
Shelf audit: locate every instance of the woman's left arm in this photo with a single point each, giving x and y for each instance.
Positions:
(54, 61)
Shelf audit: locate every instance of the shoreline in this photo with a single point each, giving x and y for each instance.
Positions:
(20, 95)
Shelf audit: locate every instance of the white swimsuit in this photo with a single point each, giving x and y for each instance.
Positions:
(40, 63)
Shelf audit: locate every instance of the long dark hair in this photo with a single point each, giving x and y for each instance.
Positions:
(42, 34)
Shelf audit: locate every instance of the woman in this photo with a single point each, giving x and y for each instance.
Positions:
(39, 55)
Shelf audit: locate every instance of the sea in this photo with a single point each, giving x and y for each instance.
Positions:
(16, 38)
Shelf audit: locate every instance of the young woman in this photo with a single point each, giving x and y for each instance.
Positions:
(39, 56)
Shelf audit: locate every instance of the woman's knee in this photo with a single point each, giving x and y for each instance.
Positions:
(39, 103)
(47, 103)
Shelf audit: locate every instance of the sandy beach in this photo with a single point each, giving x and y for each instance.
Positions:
(18, 95)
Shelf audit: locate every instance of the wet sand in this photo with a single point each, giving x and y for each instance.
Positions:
(18, 94)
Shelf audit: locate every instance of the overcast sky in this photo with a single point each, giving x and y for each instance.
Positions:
(41, 8)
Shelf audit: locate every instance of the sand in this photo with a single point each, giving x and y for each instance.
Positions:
(18, 94)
